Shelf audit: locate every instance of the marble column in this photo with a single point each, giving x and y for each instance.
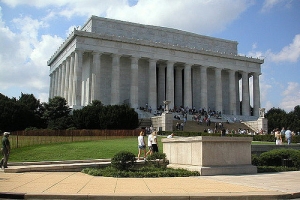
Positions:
(134, 87)
(77, 83)
(63, 78)
(178, 87)
(245, 94)
(86, 89)
(219, 95)
(95, 85)
(237, 92)
(51, 86)
(152, 97)
(203, 80)
(256, 94)
(59, 80)
(232, 92)
(55, 82)
(161, 94)
(71, 97)
(115, 80)
(170, 84)
(67, 78)
(188, 86)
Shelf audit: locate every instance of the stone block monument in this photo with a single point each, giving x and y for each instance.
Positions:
(210, 155)
(165, 121)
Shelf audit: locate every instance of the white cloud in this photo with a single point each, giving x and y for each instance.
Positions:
(203, 17)
(291, 96)
(69, 8)
(36, 3)
(290, 53)
(270, 4)
(23, 56)
(265, 87)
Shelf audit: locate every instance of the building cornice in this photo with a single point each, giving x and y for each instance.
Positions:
(123, 39)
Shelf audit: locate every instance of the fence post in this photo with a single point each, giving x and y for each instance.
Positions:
(18, 139)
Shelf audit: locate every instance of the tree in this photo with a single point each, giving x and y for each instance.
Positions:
(276, 118)
(35, 107)
(88, 116)
(57, 113)
(98, 116)
(293, 119)
(13, 115)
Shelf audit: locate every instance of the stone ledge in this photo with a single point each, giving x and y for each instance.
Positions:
(218, 170)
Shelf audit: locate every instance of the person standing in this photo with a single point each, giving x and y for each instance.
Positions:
(5, 150)
(154, 142)
(288, 136)
(141, 145)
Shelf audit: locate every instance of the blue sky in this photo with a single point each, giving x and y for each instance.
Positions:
(32, 30)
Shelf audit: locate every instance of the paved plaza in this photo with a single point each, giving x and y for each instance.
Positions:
(77, 185)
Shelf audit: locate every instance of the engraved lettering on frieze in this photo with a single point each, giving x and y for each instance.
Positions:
(117, 44)
(172, 52)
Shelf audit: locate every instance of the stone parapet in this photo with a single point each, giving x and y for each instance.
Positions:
(210, 155)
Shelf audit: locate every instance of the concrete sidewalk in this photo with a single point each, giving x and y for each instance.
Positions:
(76, 185)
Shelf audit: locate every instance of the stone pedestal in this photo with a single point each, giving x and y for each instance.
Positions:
(262, 123)
(165, 122)
(210, 155)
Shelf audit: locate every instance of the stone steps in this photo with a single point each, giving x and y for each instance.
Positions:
(58, 166)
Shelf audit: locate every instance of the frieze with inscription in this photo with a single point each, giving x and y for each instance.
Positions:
(161, 35)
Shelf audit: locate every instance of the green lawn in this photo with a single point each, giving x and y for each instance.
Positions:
(79, 150)
(263, 143)
(75, 151)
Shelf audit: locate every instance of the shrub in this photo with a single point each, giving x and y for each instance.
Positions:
(255, 160)
(157, 159)
(262, 169)
(148, 171)
(123, 160)
(157, 155)
(31, 128)
(276, 156)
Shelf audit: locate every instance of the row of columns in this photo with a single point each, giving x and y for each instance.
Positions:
(66, 81)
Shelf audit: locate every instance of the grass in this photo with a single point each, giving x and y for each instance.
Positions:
(75, 150)
(79, 150)
(262, 143)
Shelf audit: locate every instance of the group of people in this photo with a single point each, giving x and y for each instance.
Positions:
(287, 133)
(152, 144)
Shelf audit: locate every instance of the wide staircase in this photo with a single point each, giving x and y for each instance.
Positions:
(230, 122)
(193, 126)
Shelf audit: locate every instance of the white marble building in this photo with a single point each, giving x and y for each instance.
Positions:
(115, 62)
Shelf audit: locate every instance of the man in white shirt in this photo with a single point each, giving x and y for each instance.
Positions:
(288, 136)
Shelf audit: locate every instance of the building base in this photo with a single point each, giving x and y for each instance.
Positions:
(217, 170)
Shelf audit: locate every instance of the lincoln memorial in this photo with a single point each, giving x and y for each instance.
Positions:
(120, 62)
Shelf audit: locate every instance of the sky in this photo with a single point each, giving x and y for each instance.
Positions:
(32, 30)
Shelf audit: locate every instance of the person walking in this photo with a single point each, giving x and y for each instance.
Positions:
(150, 149)
(141, 145)
(278, 137)
(5, 150)
(288, 136)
